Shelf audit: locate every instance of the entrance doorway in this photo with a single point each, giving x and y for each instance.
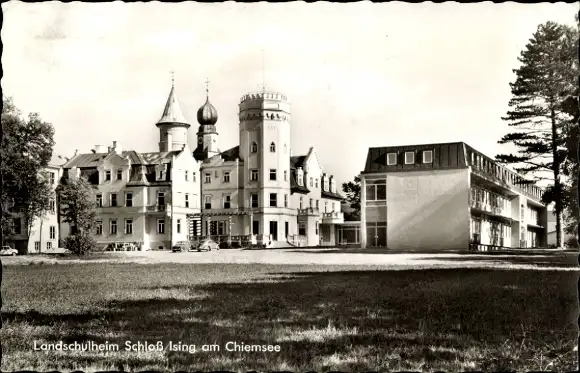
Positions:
(286, 229)
(376, 234)
(274, 230)
(255, 227)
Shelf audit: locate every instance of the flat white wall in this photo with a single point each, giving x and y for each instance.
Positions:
(428, 210)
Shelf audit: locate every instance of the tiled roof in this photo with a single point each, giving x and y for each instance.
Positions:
(95, 159)
(295, 162)
(332, 195)
(231, 154)
(172, 112)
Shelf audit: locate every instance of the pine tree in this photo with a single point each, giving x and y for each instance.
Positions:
(543, 82)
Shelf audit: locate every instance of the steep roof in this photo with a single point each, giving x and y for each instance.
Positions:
(296, 162)
(172, 113)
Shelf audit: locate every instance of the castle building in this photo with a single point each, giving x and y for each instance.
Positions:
(256, 189)
(447, 196)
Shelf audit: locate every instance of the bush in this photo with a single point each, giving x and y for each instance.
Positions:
(80, 243)
(571, 242)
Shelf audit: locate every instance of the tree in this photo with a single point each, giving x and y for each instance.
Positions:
(77, 206)
(352, 190)
(26, 150)
(543, 81)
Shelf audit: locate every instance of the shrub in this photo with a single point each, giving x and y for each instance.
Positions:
(80, 243)
(571, 242)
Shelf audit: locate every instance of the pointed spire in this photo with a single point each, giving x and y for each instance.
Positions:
(172, 112)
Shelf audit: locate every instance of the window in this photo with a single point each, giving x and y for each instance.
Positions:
(391, 159)
(285, 200)
(99, 229)
(160, 198)
(301, 203)
(207, 179)
(207, 202)
(178, 225)
(221, 228)
(285, 175)
(272, 148)
(113, 199)
(317, 204)
(37, 245)
(226, 176)
(113, 226)
(119, 174)
(254, 175)
(52, 178)
(316, 228)
(186, 199)
(52, 232)
(99, 200)
(193, 177)
(326, 184)
(52, 206)
(428, 156)
(186, 175)
(227, 200)
(48, 245)
(254, 148)
(311, 182)
(273, 200)
(272, 174)
(409, 157)
(376, 190)
(108, 175)
(311, 202)
(128, 226)
(254, 200)
(161, 175)
(316, 183)
(300, 180)
(129, 199)
(161, 226)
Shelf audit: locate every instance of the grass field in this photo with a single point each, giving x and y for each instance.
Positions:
(348, 318)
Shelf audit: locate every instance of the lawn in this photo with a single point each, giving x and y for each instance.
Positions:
(323, 318)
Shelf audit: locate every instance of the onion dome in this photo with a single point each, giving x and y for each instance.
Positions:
(207, 114)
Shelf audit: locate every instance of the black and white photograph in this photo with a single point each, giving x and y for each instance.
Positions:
(290, 186)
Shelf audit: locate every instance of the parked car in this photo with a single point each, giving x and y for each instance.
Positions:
(206, 245)
(7, 250)
(179, 248)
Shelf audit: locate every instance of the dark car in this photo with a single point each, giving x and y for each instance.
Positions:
(206, 245)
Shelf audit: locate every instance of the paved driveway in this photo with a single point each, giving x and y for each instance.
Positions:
(320, 257)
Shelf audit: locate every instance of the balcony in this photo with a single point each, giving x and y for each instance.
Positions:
(309, 211)
(332, 217)
(156, 208)
(489, 209)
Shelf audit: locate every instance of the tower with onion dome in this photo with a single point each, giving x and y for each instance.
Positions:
(172, 125)
(207, 136)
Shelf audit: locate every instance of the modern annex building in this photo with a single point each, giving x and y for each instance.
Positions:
(254, 189)
(446, 196)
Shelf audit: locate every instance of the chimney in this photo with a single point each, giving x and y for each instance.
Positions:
(76, 151)
(100, 149)
(117, 147)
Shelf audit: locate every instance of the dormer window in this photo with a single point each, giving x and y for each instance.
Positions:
(254, 148)
(119, 174)
(108, 175)
(391, 159)
(409, 157)
(325, 184)
(272, 148)
(428, 156)
(300, 179)
(161, 175)
(316, 183)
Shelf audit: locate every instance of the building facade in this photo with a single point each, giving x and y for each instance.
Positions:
(44, 232)
(255, 190)
(447, 196)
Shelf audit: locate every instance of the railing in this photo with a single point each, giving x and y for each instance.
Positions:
(241, 240)
(155, 208)
(530, 190)
(308, 211)
(332, 216)
(297, 240)
(495, 210)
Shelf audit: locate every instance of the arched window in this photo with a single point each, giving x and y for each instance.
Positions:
(272, 147)
(254, 147)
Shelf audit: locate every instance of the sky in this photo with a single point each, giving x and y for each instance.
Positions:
(357, 75)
